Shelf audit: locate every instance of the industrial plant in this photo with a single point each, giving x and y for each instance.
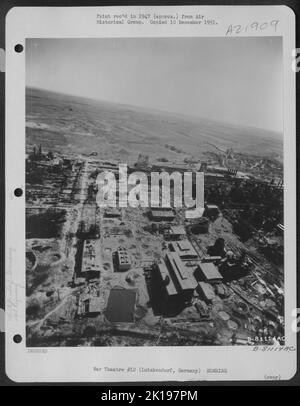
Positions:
(148, 276)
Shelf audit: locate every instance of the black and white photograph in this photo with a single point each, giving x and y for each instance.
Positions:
(142, 275)
(150, 194)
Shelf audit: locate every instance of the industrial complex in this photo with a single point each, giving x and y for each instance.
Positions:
(153, 276)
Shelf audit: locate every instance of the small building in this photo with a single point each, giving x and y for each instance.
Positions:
(123, 259)
(93, 305)
(162, 214)
(214, 259)
(206, 291)
(221, 290)
(199, 226)
(209, 272)
(184, 249)
(211, 211)
(79, 281)
(175, 233)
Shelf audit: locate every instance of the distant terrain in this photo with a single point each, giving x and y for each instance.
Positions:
(115, 131)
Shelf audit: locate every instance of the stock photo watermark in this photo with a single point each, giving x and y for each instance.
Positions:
(155, 189)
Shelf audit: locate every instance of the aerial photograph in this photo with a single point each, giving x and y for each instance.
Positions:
(153, 275)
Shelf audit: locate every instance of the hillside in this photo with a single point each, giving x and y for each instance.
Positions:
(79, 125)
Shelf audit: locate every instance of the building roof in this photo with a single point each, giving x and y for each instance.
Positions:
(94, 304)
(179, 273)
(184, 245)
(166, 278)
(210, 271)
(89, 260)
(211, 207)
(207, 290)
(123, 256)
(162, 213)
(177, 230)
(184, 249)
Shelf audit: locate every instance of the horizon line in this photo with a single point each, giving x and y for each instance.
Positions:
(174, 113)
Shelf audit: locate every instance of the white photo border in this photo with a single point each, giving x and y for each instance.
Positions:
(66, 364)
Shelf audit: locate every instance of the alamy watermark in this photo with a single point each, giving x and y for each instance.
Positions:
(151, 189)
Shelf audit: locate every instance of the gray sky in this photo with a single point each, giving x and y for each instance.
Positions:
(237, 80)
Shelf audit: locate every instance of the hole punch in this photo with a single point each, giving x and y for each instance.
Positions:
(19, 48)
(17, 338)
(18, 192)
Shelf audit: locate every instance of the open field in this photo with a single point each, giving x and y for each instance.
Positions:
(78, 125)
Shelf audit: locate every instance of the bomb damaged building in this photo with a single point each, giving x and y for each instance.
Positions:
(173, 275)
(90, 266)
(184, 249)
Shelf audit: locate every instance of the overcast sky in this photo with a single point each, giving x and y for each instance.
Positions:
(237, 80)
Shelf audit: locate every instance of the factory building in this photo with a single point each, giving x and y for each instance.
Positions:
(123, 259)
(178, 284)
(208, 272)
(166, 280)
(184, 249)
(90, 268)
